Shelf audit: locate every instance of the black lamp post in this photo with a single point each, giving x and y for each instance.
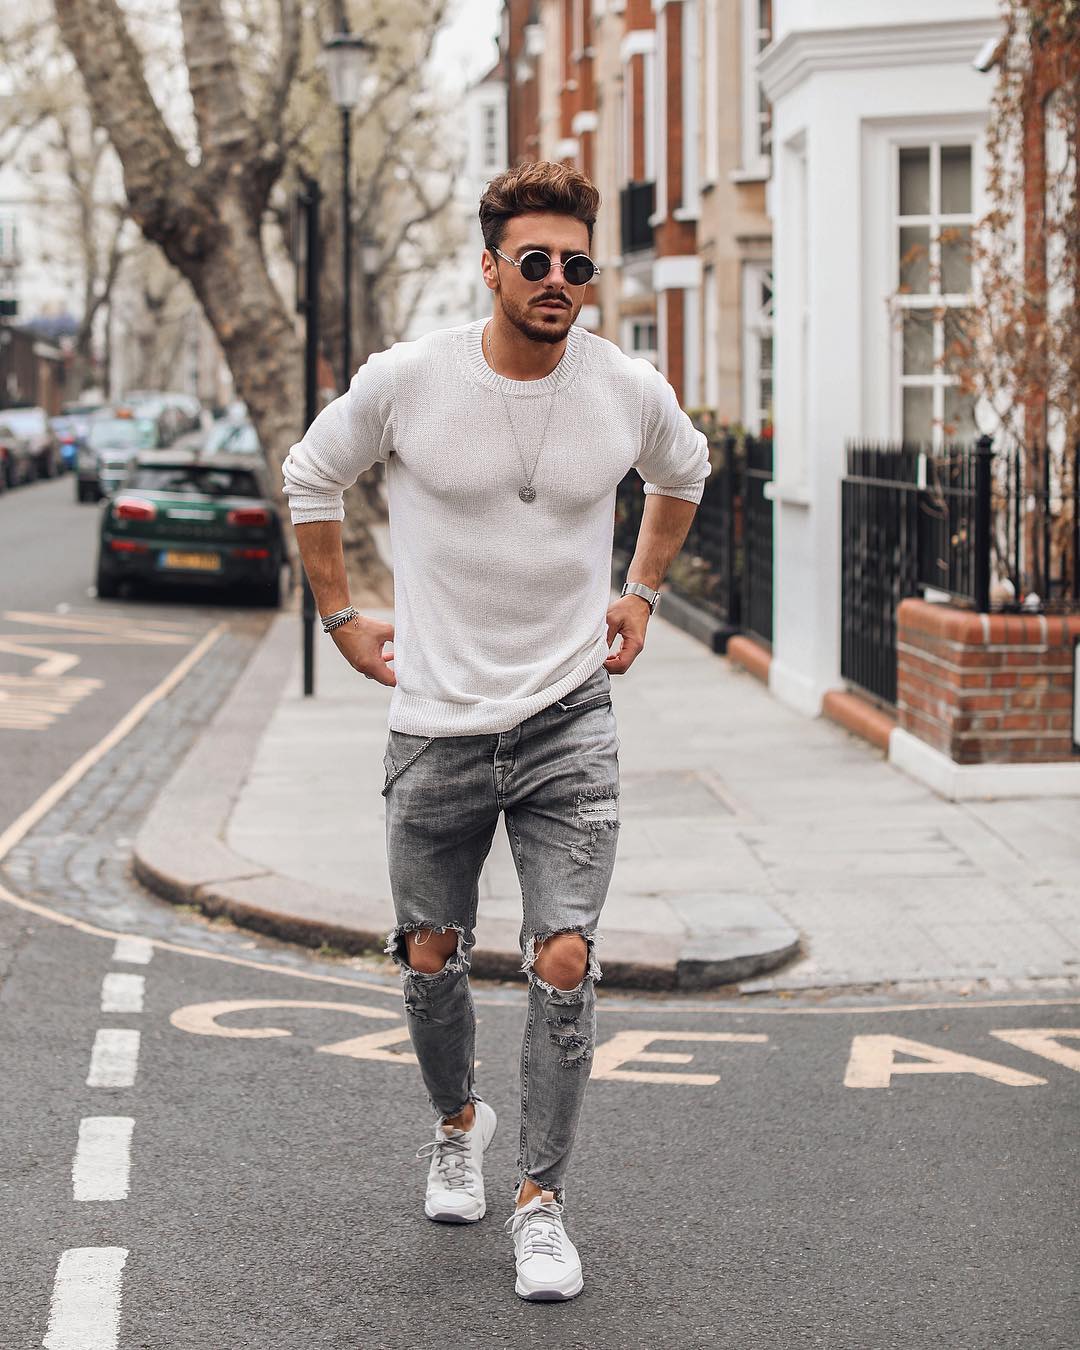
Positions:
(346, 64)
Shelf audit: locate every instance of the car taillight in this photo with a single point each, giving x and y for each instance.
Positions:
(133, 508)
(250, 515)
(127, 546)
(251, 552)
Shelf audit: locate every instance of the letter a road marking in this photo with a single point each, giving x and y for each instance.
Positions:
(873, 1063)
(1044, 1041)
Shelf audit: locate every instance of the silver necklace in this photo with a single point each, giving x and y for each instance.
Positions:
(526, 492)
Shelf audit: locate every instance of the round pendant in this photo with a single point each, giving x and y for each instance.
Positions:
(527, 493)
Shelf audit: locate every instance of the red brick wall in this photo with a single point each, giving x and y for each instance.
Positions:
(986, 688)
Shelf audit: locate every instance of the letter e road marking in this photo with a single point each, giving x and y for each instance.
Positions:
(873, 1063)
(631, 1045)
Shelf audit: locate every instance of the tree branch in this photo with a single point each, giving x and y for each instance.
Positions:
(224, 126)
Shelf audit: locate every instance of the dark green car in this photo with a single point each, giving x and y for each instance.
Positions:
(181, 519)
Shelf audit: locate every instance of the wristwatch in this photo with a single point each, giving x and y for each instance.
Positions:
(646, 593)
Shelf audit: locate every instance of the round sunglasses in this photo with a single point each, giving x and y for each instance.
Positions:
(578, 269)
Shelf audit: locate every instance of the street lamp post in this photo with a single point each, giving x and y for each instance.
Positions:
(346, 63)
(369, 262)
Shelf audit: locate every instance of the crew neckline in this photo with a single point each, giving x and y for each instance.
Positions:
(561, 376)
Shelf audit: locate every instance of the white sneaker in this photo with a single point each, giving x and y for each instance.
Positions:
(548, 1265)
(455, 1184)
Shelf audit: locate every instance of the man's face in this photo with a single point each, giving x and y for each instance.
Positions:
(542, 310)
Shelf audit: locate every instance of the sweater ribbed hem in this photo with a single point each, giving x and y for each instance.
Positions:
(432, 717)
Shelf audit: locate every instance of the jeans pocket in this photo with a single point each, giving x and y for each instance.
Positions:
(595, 692)
(401, 751)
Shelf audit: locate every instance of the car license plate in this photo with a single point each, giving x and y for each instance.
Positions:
(193, 562)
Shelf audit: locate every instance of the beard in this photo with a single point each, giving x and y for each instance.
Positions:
(538, 325)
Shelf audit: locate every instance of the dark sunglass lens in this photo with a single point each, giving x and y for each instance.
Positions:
(579, 270)
(535, 266)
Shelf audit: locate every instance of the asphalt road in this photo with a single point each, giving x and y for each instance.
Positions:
(72, 665)
(849, 1174)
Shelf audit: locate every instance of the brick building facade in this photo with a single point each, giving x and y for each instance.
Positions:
(658, 101)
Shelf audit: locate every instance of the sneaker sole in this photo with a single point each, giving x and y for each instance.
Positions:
(548, 1295)
(446, 1216)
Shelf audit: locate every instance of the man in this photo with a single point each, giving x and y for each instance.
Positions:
(504, 441)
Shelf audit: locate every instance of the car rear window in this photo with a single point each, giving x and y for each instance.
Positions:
(199, 478)
(234, 437)
(122, 433)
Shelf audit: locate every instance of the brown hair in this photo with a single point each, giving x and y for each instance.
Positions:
(540, 186)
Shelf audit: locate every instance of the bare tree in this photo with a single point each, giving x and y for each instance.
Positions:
(1019, 349)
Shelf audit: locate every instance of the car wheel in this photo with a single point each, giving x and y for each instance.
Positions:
(108, 588)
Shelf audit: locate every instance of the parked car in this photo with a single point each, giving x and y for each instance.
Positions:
(113, 445)
(16, 461)
(180, 518)
(31, 425)
(73, 426)
(234, 438)
(157, 408)
(188, 407)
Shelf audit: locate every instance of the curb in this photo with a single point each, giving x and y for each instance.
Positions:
(181, 856)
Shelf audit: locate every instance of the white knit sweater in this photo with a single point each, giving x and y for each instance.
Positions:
(499, 605)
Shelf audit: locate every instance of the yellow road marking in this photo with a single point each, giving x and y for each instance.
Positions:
(118, 628)
(873, 1063)
(201, 1018)
(631, 1045)
(33, 703)
(86, 762)
(1044, 1041)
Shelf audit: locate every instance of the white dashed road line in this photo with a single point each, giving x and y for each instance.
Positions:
(136, 951)
(114, 1060)
(122, 993)
(102, 1166)
(85, 1310)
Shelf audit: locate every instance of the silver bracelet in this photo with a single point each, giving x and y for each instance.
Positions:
(335, 620)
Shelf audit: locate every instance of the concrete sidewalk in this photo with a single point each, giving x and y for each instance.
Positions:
(750, 836)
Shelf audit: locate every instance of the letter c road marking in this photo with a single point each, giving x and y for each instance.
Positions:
(201, 1020)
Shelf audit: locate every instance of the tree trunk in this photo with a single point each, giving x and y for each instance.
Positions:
(206, 218)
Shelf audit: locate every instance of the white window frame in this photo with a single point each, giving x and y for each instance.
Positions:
(648, 120)
(691, 74)
(656, 119)
(711, 79)
(755, 160)
(756, 324)
(934, 299)
(631, 332)
(710, 343)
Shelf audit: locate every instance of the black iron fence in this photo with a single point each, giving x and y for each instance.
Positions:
(725, 567)
(989, 529)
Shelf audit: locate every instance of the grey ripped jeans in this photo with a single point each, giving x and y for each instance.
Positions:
(556, 778)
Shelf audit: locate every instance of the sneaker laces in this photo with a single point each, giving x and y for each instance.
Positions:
(541, 1228)
(452, 1158)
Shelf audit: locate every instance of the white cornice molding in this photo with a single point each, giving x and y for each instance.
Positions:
(567, 148)
(583, 121)
(638, 42)
(676, 272)
(804, 52)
